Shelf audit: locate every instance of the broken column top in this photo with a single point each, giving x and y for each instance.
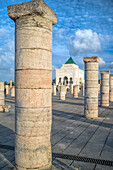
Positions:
(105, 72)
(91, 59)
(37, 7)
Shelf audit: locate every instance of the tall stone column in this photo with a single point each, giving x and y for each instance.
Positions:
(33, 83)
(71, 88)
(7, 89)
(75, 91)
(54, 90)
(111, 88)
(2, 100)
(91, 87)
(13, 91)
(10, 84)
(62, 93)
(104, 101)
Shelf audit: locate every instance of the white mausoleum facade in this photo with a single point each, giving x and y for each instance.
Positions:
(69, 73)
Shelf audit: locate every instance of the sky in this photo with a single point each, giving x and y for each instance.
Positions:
(84, 28)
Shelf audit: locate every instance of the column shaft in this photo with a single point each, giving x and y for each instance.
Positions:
(62, 93)
(75, 91)
(2, 101)
(104, 101)
(111, 88)
(54, 90)
(91, 87)
(10, 84)
(13, 91)
(7, 89)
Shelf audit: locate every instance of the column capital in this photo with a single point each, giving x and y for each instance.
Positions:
(105, 72)
(111, 75)
(91, 59)
(37, 7)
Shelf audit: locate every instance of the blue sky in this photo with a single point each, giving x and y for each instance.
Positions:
(84, 28)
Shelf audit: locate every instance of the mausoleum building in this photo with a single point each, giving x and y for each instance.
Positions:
(69, 73)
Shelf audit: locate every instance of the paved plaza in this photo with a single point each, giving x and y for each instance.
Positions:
(72, 134)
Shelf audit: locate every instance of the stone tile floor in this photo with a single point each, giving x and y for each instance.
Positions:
(71, 134)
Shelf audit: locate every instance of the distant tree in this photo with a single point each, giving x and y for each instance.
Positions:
(5, 83)
(99, 81)
(13, 84)
(54, 81)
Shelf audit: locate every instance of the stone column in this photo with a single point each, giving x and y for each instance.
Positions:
(2, 100)
(10, 84)
(104, 100)
(75, 91)
(7, 89)
(83, 89)
(13, 91)
(111, 88)
(71, 88)
(33, 83)
(91, 87)
(62, 93)
(54, 90)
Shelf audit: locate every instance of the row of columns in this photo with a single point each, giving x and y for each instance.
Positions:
(12, 90)
(3, 107)
(62, 91)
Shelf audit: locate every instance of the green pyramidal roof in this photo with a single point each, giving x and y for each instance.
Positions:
(70, 61)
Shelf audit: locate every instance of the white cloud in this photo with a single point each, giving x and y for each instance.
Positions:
(59, 32)
(85, 41)
(101, 63)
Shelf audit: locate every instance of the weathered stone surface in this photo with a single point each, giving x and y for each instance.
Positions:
(13, 91)
(7, 89)
(62, 93)
(33, 59)
(54, 90)
(91, 92)
(2, 100)
(104, 99)
(91, 75)
(33, 98)
(91, 66)
(26, 38)
(33, 122)
(39, 8)
(33, 79)
(83, 89)
(91, 87)
(34, 21)
(91, 83)
(91, 114)
(111, 88)
(76, 91)
(10, 84)
(38, 149)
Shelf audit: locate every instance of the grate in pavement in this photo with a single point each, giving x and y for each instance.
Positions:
(83, 159)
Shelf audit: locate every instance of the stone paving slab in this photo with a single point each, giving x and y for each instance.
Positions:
(71, 134)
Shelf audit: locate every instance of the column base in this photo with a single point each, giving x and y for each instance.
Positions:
(91, 114)
(44, 168)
